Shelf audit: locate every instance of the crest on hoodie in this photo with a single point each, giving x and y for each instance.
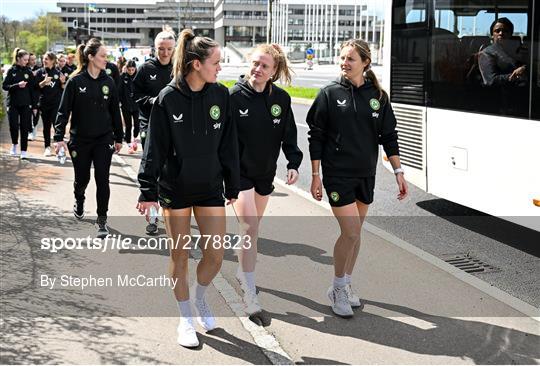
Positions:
(55, 76)
(334, 196)
(105, 89)
(108, 71)
(275, 110)
(374, 104)
(215, 112)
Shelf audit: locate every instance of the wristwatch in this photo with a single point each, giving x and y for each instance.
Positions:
(399, 170)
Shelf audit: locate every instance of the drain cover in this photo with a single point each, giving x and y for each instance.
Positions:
(468, 263)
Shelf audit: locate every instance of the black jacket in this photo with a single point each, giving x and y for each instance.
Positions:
(192, 147)
(20, 96)
(112, 71)
(265, 122)
(151, 77)
(126, 93)
(94, 108)
(50, 95)
(68, 70)
(346, 126)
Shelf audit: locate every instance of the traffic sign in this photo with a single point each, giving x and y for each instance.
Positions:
(310, 51)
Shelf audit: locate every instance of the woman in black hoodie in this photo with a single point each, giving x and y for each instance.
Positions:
(265, 123)
(50, 80)
(91, 99)
(20, 103)
(191, 150)
(348, 120)
(130, 110)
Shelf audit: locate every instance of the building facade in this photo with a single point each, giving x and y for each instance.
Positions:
(137, 22)
(324, 25)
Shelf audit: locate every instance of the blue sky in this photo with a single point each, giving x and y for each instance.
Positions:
(22, 9)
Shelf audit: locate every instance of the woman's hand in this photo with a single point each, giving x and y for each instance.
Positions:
(292, 176)
(144, 208)
(402, 186)
(316, 187)
(58, 145)
(22, 84)
(231, 201)
(117, 147)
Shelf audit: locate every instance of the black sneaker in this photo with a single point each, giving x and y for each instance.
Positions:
(151, 229)
(78, 210)
(103, 230)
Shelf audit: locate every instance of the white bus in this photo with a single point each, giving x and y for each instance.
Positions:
(464, 137)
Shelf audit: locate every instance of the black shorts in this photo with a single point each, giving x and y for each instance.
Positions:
(170, 199)
(342, 191)
(264, 187)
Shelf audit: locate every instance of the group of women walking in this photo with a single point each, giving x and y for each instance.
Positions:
(205, 147)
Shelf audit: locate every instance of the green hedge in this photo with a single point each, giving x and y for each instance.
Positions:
(294, 91)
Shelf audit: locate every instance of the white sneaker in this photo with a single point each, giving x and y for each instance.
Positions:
(23, 155)
(30, 136)
(187, 337)
(354, 300)
(47, 151)
(13, 150)
(205, 317)
(251, 301)
(340, 302)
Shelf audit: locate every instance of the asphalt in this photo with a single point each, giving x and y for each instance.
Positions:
(418, 309)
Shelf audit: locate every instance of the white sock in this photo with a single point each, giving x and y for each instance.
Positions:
(185, 308)
(199, 291)
(250, 280)
(339, 282)
(348, 279)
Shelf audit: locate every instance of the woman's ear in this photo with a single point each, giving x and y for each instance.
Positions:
(196, 65)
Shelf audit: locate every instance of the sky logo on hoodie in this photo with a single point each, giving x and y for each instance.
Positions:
(153, 77)
(243, 113)
(82, 90)
(275, 110)
(215, 113)
(341, 103)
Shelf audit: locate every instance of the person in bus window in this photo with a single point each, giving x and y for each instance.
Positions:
(500, 62)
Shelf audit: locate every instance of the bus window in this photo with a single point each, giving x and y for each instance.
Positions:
(409, 12)
(477, 66)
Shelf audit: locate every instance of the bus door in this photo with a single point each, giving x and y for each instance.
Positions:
(408, 75)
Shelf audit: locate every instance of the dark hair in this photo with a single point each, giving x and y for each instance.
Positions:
(189, 49)
(131, 63)
(82, 53)
(362, 47)
(504, 21)
(18, 53)
(121, 62)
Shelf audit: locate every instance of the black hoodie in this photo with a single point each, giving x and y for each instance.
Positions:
(126, 93)
(94, 108)
(112, 71)
(346, 126)
(151, 77)
(20, 96)
(192, 145)
(51, 94)
(265, 122)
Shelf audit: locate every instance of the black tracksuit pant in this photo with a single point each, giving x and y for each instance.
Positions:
(83, 155)
(131, 120)
(20, 118)
(47, 117)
